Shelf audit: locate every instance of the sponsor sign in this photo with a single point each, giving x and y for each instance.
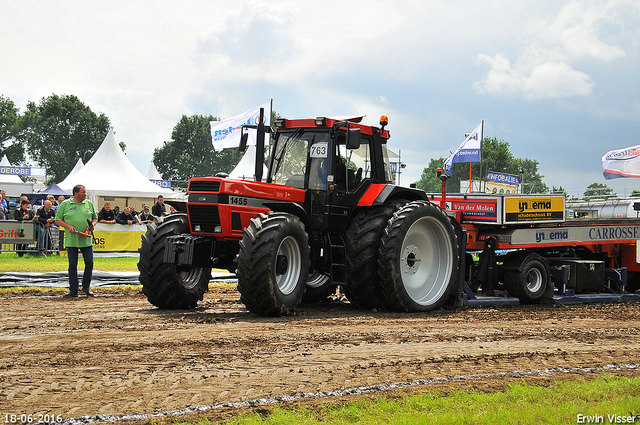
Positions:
(20, 232)
(574, 234)
(501, 183)
(474, 209)
(162, 183)
(17, 171)
(118, 237)
(520, 209)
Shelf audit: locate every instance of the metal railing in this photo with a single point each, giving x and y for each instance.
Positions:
(29, 237)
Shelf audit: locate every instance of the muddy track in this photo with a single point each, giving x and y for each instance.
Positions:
(117, 354)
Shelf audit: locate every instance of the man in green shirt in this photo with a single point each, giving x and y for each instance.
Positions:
(74, 215)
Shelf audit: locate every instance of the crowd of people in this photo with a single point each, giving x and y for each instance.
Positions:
(45, 216)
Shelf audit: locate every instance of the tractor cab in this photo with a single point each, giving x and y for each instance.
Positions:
(334, 159)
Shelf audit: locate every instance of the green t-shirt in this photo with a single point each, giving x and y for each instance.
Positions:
(76, 215)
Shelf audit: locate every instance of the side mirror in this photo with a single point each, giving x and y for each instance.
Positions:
(243, 141)
(353, 138)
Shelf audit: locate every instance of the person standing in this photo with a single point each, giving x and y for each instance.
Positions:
(159, 208)
(24, 213)
(145, 216)
(46, 217)
(78, 216)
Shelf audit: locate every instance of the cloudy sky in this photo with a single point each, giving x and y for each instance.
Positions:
(558, 80)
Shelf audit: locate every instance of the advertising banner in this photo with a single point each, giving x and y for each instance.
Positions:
(520, 209)
(501, 183)
(475, 209)
(118, 237)
(17, 232)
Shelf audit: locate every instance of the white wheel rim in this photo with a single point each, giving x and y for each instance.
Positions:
(534, 280)
(426, 262)
(288, 280)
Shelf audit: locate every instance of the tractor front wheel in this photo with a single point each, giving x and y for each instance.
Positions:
(273, 264)
(167, 285)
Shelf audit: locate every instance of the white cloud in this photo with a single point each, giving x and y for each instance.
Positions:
(546, 67)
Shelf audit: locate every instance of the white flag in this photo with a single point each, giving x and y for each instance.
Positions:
(622, 163)
(226, 133)
(468, 151)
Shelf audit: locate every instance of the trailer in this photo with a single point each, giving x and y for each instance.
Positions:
(522, 249)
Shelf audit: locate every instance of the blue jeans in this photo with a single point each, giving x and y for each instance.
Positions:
(87, 254)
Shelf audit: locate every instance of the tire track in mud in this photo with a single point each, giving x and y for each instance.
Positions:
(119, 355)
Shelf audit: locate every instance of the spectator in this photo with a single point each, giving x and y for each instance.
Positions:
(116, 210)
(78, 216)
(3, 208)
(133, 212)
(159, 209)
(24, 213)
(61, 199)
(5, 204)
(46, 218)
(106, 214)
(125, 217)
(145, 216)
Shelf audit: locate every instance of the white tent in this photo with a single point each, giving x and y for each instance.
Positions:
(110, 173)
(8, 178)
(11, 183)
(152, 173)
(76, 168)
(246, 168)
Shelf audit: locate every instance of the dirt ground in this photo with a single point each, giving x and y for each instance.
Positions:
(117, 354)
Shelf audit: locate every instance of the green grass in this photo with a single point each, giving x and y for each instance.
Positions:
(10, 262)
(520, 403)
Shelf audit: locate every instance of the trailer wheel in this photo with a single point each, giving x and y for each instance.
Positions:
(418, 261)
(362, 240)
(529, 282)
(167, 285)
(273, 264)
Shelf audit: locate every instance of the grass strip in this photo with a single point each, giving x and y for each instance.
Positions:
(607, 399)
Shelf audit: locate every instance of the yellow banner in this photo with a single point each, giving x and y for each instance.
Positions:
(118, 237)
(534, 208)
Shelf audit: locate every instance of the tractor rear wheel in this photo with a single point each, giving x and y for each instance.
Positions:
(418, 261)
(362, 240)
(167, 285)
(273, 264)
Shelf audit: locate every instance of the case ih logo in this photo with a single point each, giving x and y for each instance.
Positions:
(624, 154)
(11, 234)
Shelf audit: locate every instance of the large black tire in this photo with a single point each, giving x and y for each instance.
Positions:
(362, 242)
(529, 281)
(273, 264)
(167, 285)
(418, 260)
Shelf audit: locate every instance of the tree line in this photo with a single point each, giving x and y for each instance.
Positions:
(58, 130)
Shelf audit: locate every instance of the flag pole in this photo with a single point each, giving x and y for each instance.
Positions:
(481, 140)
(470, 188)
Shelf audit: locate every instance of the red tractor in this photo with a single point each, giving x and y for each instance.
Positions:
(328, 215)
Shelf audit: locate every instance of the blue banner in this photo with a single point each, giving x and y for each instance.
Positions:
(17, 171)
(503, 178)
(162, 183)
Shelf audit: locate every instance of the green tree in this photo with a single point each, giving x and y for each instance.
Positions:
(9, 146)
(190, 153)
(59, 130)
(598, 190)
(496, 156)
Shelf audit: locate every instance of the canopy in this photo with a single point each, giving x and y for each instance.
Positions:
(8, 178)
(152, 173)
(246, 168)
(110, 173)
(54, 190)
